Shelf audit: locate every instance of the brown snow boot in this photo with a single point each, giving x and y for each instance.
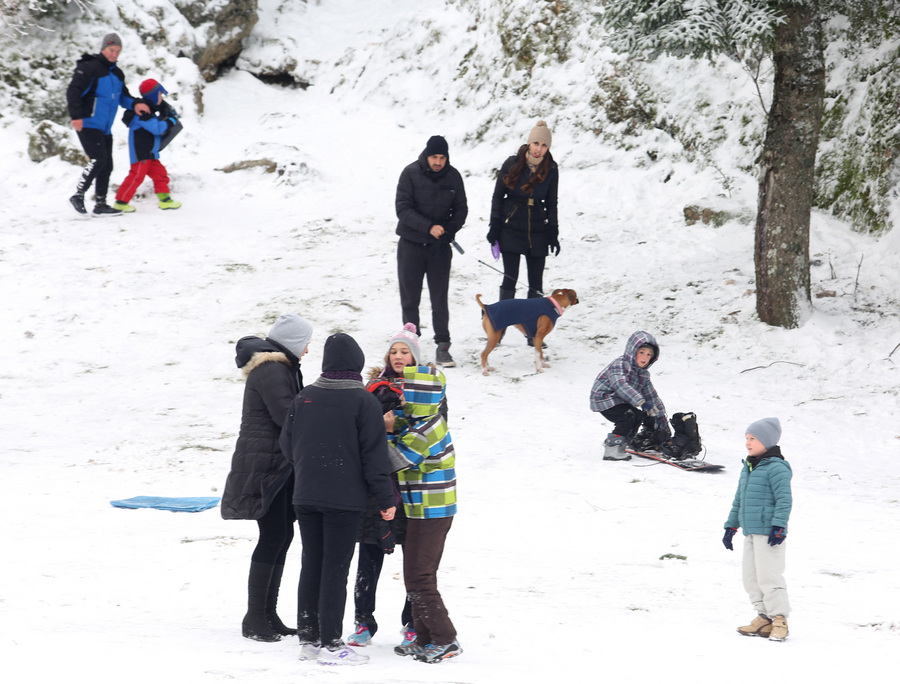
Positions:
(779, 629)
(761, 626)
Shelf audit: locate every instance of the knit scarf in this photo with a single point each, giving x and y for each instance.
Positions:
(533, 162)
(342, 375)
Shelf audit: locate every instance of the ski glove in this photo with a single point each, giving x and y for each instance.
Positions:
(777, 535)
(729, 535)
(385, 536)
(648, 408)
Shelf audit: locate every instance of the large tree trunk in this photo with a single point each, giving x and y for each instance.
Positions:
(788, 165)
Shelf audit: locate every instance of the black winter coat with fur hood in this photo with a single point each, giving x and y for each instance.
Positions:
(258, 468)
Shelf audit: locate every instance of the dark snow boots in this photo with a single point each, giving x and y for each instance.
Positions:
(261, 622)
(685, 443)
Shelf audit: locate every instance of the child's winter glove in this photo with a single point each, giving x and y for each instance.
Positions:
(648, 408)
(385, 536)
(777, 535)
(729, 535)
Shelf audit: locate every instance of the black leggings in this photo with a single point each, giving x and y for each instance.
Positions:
(98, 147)
(535, 266)
(276, 528)
(368, 570)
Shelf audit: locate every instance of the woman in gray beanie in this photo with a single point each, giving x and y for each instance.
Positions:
(260, 484)
(761, 507)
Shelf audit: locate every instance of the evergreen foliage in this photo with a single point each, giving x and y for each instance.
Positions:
(695, 28)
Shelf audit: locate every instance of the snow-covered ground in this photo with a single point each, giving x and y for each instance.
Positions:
(118, 380)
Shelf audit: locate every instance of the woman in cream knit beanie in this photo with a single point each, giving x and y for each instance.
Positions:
(524, 212)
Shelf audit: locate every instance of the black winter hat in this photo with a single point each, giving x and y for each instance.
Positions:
(437, 145)
(342, 353)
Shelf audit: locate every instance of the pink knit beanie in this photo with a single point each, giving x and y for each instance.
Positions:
(409, 337)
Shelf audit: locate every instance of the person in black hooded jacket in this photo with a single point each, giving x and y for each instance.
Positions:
(431, 208)
(260, 484)
(334, 437)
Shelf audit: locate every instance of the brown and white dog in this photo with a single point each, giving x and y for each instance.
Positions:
(534, 317)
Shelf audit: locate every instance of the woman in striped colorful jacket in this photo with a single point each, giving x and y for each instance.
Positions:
(428, 486)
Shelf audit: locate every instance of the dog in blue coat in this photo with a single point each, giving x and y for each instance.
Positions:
(535, 317)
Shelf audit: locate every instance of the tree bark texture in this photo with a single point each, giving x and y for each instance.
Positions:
(788, 168)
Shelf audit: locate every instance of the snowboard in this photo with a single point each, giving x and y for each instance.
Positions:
(685, 464)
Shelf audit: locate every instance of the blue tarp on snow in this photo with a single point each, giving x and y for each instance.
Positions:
(189, 504)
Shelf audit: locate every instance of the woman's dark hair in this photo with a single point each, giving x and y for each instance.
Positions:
(515, 172)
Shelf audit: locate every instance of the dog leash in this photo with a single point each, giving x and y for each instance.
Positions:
(503, 274)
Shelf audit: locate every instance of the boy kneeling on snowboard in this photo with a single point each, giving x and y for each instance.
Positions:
(624, 395)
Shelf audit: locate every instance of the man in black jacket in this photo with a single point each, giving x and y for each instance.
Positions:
(431, 208)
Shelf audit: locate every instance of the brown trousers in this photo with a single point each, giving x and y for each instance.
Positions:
(421, 558)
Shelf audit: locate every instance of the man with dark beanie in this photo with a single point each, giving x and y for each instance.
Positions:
(94, 95)
(334, 437)
(431, 208)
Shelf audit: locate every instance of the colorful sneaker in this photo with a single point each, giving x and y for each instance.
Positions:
(435, 653)
(310, 651)
(361, 637)
(412, 649)
(342, 656)
(103, 210)
(124, 207)
(409, 635)
(168, 203)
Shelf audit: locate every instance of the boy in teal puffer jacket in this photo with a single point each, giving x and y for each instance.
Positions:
(761, 507)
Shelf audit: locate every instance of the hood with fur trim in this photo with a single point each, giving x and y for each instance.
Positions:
(253, 351)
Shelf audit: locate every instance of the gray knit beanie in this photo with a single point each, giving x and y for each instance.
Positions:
(110, 39)
(292, 332)
(767, 431)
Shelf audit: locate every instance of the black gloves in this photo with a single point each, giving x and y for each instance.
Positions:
(554, 247)
(493, 235)
(777, 535)
(729, 535)
(385, 536)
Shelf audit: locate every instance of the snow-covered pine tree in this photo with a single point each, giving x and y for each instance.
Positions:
(791, 32)
(792, 29)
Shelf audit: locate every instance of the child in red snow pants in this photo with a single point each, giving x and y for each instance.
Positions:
(139, 171)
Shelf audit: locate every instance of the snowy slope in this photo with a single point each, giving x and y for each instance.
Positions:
(118, 343)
